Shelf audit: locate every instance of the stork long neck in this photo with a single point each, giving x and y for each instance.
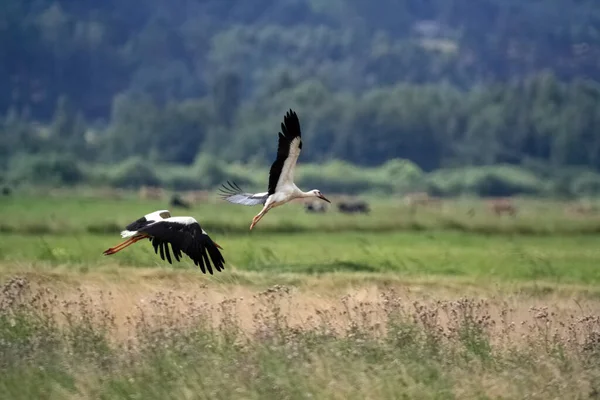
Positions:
(306, 194)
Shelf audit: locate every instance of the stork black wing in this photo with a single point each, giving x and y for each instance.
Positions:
(186, 238)
(290, 130)
(138, 224)
(164, 249)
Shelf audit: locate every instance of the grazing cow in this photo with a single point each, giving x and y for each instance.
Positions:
(151, 193)
(315, 207)
(353, 207)
(581, 209)
(177, 201)
(502, 206)
(416, 199)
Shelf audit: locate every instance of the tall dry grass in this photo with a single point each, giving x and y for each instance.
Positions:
(172, 345)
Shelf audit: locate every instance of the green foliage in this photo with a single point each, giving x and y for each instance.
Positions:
(429, 126)
(134, 172)
(402, 170)
(341, 177)
(179, 178)
(586, 184)
(495, 181)
(49, 169)
(210, 171)
(202, 47)
(441, 85)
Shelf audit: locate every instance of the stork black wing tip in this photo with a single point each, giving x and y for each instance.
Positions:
(291, 122)
(228, 190)
(291, 115)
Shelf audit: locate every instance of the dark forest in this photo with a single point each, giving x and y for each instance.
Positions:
(443, 84)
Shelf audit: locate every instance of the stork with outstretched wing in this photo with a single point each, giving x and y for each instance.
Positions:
(281, 188)
(184, 234)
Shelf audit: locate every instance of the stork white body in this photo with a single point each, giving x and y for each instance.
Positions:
(183, 234)
(159, 215)
(282, 188)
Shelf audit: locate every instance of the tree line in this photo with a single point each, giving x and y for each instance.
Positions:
(177, 49)
(436, 126)
(442, 83)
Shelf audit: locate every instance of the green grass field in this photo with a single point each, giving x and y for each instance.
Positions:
(440, 303)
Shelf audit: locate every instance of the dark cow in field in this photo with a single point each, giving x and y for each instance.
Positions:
(315, 207)
(421, 200)
(348, 207)
(177, 201)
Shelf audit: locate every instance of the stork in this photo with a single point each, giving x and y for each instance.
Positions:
(183, 233)
(281, 176)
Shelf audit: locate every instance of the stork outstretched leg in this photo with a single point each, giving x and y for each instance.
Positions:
(259, 216)
(124, 244)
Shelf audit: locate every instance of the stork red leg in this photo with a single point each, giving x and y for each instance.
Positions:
(121, 246)
(259, 216)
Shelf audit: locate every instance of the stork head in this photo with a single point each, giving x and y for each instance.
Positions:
(317, 193)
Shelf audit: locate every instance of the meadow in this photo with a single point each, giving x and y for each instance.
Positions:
(448, 302)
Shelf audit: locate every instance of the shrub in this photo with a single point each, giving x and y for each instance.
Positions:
(339, 176)
(134, 172)
(53, 169)
(485, 181)
(209, 170)
(587, 184)
(402, 174)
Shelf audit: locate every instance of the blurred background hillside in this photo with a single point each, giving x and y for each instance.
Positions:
(486, 97)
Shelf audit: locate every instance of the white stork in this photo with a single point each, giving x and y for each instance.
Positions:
(281, 176)
(183, 233)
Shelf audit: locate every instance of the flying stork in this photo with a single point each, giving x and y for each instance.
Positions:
(183, 233)
(281, 176)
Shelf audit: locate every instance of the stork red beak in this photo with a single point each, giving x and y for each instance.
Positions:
(324, 198)
(216, 244)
